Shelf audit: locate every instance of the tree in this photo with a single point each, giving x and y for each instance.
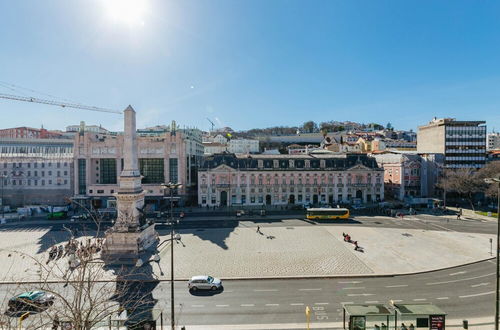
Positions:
(491, 170)
(464, 181)
(87, 294)
(310, 127)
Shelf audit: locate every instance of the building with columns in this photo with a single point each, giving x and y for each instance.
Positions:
(165, 155)
(229, 179)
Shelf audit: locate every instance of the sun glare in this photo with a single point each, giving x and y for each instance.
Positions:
(130, 12)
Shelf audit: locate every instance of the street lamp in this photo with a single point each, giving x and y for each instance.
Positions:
(2, 178)
(497, 181)
(171, 186)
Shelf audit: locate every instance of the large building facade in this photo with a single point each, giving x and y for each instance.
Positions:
(230, 180)
(166, 155)
(463, 143)
(36, 171)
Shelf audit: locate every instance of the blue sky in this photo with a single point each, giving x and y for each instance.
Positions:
(252, 63)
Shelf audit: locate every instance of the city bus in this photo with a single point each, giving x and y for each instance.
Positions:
(327, 213)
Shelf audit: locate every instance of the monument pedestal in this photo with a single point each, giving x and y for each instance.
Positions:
(126, 247)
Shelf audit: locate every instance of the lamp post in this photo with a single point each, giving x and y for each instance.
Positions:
(2, 178)
(497, 298)
(171, 186)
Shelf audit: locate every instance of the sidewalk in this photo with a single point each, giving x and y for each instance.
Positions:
(276, 252)
(486, 323)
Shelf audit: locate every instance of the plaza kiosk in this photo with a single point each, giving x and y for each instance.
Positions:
(364, 317)
(420, 316)
(394, 317)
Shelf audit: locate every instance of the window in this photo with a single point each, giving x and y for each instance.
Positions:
(50, 173)
(275, 163)
(260, 163)
(65, 172)
(108, 171)
(152, 170)
(82, 176)
(58, 173)
(65, 181)
(50, 181)
(36, 182)
(173, 170)
(43, 173)
(43, 182)
(307, 163)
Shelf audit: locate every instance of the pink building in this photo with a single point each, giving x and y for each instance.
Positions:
(402, 174)
(229, 179)
(164, 156)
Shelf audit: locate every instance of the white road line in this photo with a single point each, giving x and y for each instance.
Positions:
(371, 302)
(350, 282)
(480, 284)
(397, 300)
(396, 286)
(360, 294)
(354, 288)
(457, 273)
(321, 303)
(221, 305)
(318, 289)
(265, 290)
(272, 304)
(297, 304)
(420, 299)
(247, 305)
(462, 279)
(477, 294)
(447, 229)
(442, 298)
(197, 305)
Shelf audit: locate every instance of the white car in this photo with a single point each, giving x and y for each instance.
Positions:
(204, 282)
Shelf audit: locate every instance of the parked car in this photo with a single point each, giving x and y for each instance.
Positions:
(204, 282)
(31, 300)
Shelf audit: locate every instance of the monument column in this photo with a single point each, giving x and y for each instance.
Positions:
(128, 238)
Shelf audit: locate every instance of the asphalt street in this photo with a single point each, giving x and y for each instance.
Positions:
(464, 292)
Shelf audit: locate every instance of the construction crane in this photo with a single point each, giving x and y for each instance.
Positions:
(56, 103)
(211, 122)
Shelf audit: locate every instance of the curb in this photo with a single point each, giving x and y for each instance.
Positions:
(271, 278)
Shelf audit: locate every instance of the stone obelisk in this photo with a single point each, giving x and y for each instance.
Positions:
(128, 239)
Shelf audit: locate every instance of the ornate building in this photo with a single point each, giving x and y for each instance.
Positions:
(229, 179)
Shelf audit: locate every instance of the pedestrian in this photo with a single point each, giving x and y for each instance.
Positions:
(55, 323)
(403, 327)
(258, 230)
(356, 247)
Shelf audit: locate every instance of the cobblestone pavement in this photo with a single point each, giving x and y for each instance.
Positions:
(275, 252)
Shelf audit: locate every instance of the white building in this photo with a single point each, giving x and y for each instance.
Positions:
(254, 180)
(243, 146)
(493, 141)
(36, 171)
(210, 148)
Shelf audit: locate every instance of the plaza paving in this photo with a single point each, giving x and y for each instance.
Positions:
(241, 252)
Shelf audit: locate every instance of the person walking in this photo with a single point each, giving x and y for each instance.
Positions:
(258, 230)
(459, 214)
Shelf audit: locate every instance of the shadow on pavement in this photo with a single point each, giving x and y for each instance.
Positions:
(206, 293)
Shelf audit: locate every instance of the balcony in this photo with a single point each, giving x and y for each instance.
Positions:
(222, 185)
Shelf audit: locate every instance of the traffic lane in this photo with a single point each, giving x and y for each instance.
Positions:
(286, 296)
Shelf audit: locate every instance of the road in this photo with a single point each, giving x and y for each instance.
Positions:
(464, 292)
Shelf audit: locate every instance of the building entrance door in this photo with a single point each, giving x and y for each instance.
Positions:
(291, 199)
(223, 198)
(268, 199)
(315, 199)
(359, 194)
